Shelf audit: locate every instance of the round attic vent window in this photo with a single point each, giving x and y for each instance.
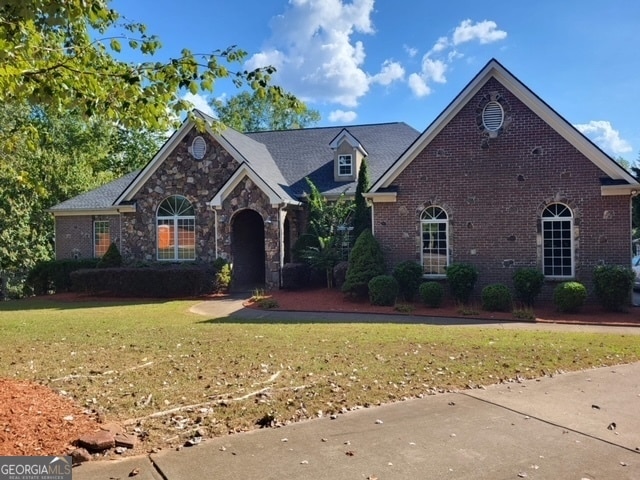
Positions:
(198, 148)
(493, 116)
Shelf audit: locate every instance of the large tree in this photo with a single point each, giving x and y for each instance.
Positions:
(260, 111)
(69, 155)
(63, 54)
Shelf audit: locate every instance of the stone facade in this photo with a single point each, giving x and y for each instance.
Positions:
(494, 191)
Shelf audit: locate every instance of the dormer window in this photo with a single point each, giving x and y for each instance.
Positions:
(345, 165)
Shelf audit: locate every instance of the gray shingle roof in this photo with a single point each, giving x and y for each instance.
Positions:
(307, 152)
(283, 159)
(98, 199)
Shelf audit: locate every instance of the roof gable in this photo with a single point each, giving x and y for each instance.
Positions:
(493, 69)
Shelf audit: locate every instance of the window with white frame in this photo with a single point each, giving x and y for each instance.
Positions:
(101, 237)
(434, 226)
(345, 165)
(176, 229)
(557, 241)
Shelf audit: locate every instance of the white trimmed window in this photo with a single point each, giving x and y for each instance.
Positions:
(557, 241)
(101, 237)
(176, 229)
(345, 165)
(435, 241)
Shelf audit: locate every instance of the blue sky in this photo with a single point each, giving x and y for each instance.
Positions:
(373, 61)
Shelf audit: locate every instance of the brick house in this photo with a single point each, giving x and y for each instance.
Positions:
(498, 180)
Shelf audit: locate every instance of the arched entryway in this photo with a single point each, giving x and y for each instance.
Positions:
(247, 250)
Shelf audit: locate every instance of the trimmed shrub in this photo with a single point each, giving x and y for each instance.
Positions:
(383, 290)
(462, 278)
(340, 274)
(160, 281)
(613, 286)
(496, 298)
(53, 276)
(295, 276)
(111, 258)
(568, 297)
(304, 242)
(409, 275)
(431, 294)
(528, 283)
(365, 262)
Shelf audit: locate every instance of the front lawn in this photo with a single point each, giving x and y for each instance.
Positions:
(142, 363)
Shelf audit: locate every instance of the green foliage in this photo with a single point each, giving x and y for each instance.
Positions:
(65, 55)
(431, 294)
(322, 250)
(383, 290)
(366, 261)
(568, 297)
(496, 298)
(46, 158)
(156, 282)
(295, 276)
(54, 276)
(528, 283)
(111, 257)
(253, 112)
(613, 286)
(362, 212)
(222, 275)
(409, 275)
(462, 278)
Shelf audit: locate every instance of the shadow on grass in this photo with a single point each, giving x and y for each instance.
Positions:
(254, 316)
(51, 303)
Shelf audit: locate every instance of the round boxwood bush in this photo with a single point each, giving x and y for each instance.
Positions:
(431, 294)
(528, 283)
(462, 278)
(568, 297)
(383, 290)
(496, 298)
(613, 285)
(409, 275)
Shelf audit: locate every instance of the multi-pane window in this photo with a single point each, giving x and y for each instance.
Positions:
(101, 237)
(435, 236)
(345, 165)
(176, 229)
(557, 241)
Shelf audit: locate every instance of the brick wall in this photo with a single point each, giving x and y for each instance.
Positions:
(74, 235)
(494, 196)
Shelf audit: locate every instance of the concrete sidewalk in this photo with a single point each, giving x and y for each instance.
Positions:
(583, 425)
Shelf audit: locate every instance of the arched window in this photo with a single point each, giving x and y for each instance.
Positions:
(557, 241)
(176, 229)
(435, 241)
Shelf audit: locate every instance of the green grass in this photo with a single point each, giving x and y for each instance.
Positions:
(131, 360)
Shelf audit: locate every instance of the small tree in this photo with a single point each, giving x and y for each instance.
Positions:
(111, 257)
(322, 246)
(366, 261)
(361, 213)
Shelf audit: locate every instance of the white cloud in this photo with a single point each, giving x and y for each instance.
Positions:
(411, 51)
(314, 53)
(390, 72)
(436, 62)
(200, 102)
(605, 136)
(434, 70)
(418, 85)
(484, 32)
(340, 116)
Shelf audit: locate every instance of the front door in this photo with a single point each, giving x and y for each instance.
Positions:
(247, 250)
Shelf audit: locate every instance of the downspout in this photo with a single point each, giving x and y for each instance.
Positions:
(373, 216)
(215, 233)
